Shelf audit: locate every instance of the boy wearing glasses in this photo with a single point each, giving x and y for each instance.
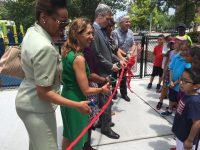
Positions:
(186, 123)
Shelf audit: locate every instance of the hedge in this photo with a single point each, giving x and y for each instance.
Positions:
(194, 36)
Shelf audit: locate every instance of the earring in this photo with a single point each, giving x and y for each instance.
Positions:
(43, 21)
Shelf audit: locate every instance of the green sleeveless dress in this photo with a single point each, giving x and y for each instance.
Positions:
(73, 121)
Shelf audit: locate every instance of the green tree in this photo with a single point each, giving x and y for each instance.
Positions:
(185, 14)
(185, 10)
(87, 8)
(142, 12)
(164, 21)
(77, 8)
(21, 11)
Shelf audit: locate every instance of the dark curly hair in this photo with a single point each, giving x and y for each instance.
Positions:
(48, 6)
(194, 75)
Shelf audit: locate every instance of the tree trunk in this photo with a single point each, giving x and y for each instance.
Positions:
(197, 7)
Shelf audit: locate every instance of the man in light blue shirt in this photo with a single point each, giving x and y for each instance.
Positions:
(124, 39)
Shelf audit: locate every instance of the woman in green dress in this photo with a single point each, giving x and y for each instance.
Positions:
(75, 78)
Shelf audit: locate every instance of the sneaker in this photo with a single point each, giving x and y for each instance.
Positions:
(166, 113)
(149, 86)
(159, 105)
(158, 87)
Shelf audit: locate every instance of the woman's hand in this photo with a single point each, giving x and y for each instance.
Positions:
(106, 88)
(83, 107)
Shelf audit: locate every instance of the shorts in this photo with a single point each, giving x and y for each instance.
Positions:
(173, 95)
(157, 71)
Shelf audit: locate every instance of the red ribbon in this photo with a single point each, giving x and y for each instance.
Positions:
(130, 64)
(98, 115)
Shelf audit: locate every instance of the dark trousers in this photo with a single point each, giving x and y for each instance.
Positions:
(105, 118)
(123, 86)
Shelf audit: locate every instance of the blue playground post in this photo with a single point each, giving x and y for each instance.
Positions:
(2, 47)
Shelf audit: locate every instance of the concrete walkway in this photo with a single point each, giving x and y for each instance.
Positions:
(139, 124)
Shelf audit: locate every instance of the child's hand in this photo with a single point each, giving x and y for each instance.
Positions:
(171, 84)
(188, 144)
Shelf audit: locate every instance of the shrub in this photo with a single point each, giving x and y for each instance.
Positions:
(194, 36)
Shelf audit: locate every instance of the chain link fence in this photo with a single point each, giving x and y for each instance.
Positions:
(136, 68)
(150, 43)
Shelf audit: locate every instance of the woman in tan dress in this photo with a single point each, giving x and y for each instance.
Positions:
(38, 93)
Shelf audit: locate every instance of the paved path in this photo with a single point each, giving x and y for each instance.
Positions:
(140, 126)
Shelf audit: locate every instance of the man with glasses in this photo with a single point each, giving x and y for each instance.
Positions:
(101, 47)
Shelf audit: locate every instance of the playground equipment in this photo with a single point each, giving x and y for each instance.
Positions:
(9, 32)
(9, 35)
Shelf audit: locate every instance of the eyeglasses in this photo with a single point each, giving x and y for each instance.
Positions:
(185, 81)
(61, 23)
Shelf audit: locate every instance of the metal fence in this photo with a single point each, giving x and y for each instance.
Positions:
(144, 64)
(142, 68)
(150, 43)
